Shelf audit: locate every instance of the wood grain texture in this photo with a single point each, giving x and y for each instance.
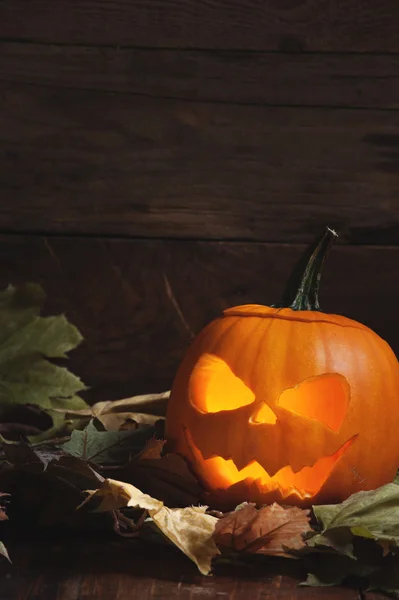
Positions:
(103, 163)
(325, 25)
(121, 570)
(338, 80)
(139, 303)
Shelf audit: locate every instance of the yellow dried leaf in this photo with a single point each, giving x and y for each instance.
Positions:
(190, 529)
(115, 415)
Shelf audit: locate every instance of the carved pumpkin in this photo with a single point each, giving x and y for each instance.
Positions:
(287, 403)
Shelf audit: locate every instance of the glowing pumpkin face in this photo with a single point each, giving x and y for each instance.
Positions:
(293, 406)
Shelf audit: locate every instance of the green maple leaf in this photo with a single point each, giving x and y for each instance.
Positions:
(107, 446)
(368, 514)
(363, 531)
(27, 341)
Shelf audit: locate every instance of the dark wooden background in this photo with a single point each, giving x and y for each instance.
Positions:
(162, 160)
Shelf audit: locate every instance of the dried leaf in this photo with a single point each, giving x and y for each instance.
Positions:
(336, 569)
(363, 531)
(386, 578)
(126, 420)
(22, 420)
(338, 540)
(74, 470)
(4, 552)
(17, 431)
(61, 425)
(165, 477)
(386, 546)
(3, 516)
(30, 422)
(190, 529)
(23, 455)
(139, 455)
(272, 530)
(151, 404)
(117, 415)
(66, 479)
(152, 449)
(46, 486)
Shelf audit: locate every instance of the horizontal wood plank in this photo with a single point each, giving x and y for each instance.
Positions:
(338, 80)
(293, 25)
(101, 163)
(139, 303)
(93, 568)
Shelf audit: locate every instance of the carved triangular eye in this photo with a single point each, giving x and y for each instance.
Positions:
(324, 398)
(214, 387)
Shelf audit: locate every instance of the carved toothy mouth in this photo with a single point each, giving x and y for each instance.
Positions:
(215, 389)
(305, 483)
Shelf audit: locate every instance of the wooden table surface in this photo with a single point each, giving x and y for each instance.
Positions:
(86, 568)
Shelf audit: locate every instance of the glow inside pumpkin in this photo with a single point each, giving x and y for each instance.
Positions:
(285, 402)
(325, 398)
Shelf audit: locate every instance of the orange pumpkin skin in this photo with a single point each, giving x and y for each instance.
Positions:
(297, 407)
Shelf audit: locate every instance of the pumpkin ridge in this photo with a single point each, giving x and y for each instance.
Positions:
(349, 323)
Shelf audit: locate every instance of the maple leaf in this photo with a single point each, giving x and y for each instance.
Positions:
(367, 514)
(45, 484)
(272, 530)
(23, 455)
(27, 341)
(104, 447)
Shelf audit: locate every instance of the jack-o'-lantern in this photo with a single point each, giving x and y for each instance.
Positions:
(287, 403)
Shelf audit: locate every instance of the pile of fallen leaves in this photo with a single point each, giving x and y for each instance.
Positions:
(66, 464)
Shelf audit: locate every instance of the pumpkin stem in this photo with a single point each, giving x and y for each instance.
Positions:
(302, 290)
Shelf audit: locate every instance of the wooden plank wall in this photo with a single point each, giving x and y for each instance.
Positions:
(162, 160)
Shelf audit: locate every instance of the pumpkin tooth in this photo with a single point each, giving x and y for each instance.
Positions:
(309, 480)
(304, 483)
